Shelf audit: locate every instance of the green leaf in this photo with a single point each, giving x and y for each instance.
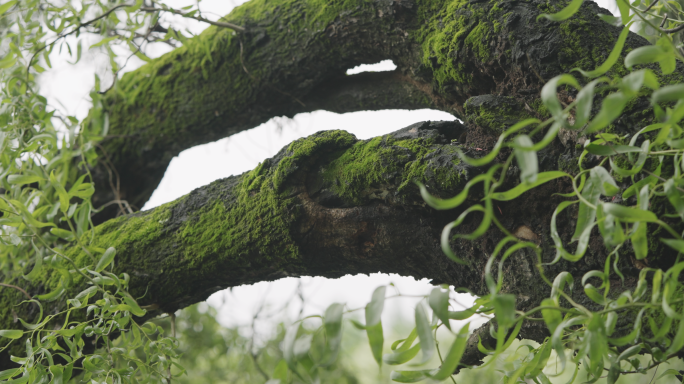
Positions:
(549, 95)
(504, 309)
(401, 357)
(280, 371)
(587, 214)
(623, 7)
(376, 340)
(52, 296)
(668, 94)
(24, 179)
(439, 302)
(427, 341)
(375, 307)
(521, 188)
(552, 317)
(675, 197)
(63, 233)
(669, 61)
(106, 259)
(676, 244)
(134, 307)
(645, 55)
(611, 109)
(629, 215)
(454, 355)
(564, 13)
(9, 373)
(610, 149)
(527, 160)
(11, 334)
(612, 58)
(37, 266)
(600, 176)
(332, 322)
(409, 376)
(5, 7)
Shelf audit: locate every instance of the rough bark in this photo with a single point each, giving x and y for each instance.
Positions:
(330, 205)
(293, 58)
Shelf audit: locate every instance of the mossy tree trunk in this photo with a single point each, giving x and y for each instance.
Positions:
(330, 205)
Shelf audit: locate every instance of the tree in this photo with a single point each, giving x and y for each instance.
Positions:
(330, 204)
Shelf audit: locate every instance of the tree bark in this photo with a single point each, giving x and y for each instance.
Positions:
(330, 205)
(293, 57)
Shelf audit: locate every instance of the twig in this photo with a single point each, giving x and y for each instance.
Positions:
(198, 18)
(651, 6)
(78, 27)
(17, 288)
(664, 20)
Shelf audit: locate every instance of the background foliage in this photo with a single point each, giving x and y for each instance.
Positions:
(46, 209)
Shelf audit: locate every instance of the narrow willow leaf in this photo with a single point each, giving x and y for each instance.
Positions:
(63, 233)
(375, 307)
(521, 188)
(453, 202)
(623, 7)
(669, 61)
(587, 214)
(639, 240)
(504, 309)
(676, 244)
(462, 315)
(585, 102)
(376, 340)
(564, 13)
(52, 296)
(674, 196)
(61, 193)
(603, 178)
(645, 55)
(594, 294)
(668, 94)
(106, 259)
(610, 150)
(332, 322)
(134, 307)
(427, 341)
(454, 355)
(612, 58)
(439, 302)
(24, 179)
(11, 334)
(629, 215)
(401, 357)
(552, 317)
(5, 7)
(409, 376)
(611, 109)
(549, 95)
(37, 266)
(527, 160)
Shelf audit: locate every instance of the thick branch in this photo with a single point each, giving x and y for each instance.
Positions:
(293, 59)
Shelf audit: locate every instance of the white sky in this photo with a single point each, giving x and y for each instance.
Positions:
(68, 86)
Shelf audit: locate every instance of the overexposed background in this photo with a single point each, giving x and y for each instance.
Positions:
(67, 88)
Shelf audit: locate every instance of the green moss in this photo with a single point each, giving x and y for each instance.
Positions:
(388, 163)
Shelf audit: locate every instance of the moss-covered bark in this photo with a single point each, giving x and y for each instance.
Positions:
(293, 57)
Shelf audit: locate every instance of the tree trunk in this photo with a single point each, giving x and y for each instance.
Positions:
(330, 205)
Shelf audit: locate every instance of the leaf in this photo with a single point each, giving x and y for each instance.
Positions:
(668, 93)
(676, 244)
(439, 302)
(454, 355)
(24, 179)
(527, 160)
(610, 150)
(629, 215)
(52, 296)
(11, 334)
(332, 322)
(409, 376)
(106, 259)
(552, 317)
(521, 188)
(645, 55)
(586, 214)
(375, 307)
(612, 58)
(674, 196)
(504, 309)
(5, 7)
(63, 234)
(376, 340)
(549, 95)
(134, 307)
(611, 109)
(564, 13)
(427, 341)
(401, 357)
(600, 176)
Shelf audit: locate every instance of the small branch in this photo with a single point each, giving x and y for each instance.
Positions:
(651, 6)
(664, 20)
(17, 288)
(198, 18)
